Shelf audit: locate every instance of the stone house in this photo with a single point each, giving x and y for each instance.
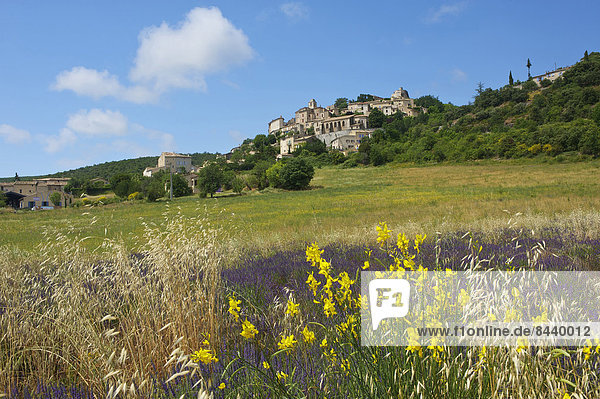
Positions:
(34, 194)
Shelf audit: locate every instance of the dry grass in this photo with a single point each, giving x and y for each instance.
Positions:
(69, 315)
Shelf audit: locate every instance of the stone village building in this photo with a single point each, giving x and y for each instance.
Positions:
(341, 132)
(35, 194)
(176, 163)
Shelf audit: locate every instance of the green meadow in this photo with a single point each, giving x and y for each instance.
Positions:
(344, 205)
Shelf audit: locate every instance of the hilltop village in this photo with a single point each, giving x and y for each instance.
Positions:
(340, 128)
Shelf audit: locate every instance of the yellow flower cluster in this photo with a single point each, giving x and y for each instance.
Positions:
(288, 342)
(234, 307)
(292, 308)
(329, 296)
(205, 356)
(309, 336)
(248, 330)
(383, 233)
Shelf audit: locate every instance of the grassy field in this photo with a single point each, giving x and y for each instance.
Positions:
(175, 320)
(344, 204)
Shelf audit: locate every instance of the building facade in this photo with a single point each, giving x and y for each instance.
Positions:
(175, 162)
(35, 194)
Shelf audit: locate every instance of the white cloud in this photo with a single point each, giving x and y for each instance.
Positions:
(167, 58)
(12, 135)
(458, 75)
(95, 126)
(97, 122)
(445, 10)
(180, 57)
(56, 143)
(294, 10)
(95, 84)
(88, 82)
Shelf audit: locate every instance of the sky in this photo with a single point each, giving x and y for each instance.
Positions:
(89, 81)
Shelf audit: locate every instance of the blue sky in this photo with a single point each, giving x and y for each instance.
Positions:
(92, 81)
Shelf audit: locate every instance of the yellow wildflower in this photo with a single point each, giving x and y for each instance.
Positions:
(313, 254)
(234, 307)
(323, 343)
(309, 336)
(418, 241)
(383, 233)
(313, 283)
(328, 307)
(402, 244)
(204, 355)
(281, 376)
(292, 308)
(248, 330)
(287, 342)
(266, 365)
(587, 349)
(222, 385)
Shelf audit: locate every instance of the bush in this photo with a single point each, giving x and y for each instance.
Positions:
(238, 184)
(296, 174)
(273, 175)
(130, 197)
(55, 198)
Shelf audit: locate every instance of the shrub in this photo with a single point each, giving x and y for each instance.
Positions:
(273, 175)
(296, 174)
(132, 196)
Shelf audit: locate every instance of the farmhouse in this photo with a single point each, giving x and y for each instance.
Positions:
(551, 76)
(176, 163)
(35, 194)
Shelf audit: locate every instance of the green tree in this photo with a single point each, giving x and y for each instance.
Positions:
(260, 142)
(55, 198)
(296, 174)
(586, 56)
(510, 78)
(596, 114)
(123, 184)
(590, 141)
(2, 199)
(180, 186)
(237, 184)
(376, 118)
(260, 172)
(433, 104)
(274, 175)
(210, 179)
(341, 103)
(528, 69)
(314, 146)
(154, 190)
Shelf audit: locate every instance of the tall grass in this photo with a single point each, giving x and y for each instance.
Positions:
(109, 322)
(132, 325)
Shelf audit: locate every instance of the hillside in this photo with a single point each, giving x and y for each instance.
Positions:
(106, 169)
(514, 121)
